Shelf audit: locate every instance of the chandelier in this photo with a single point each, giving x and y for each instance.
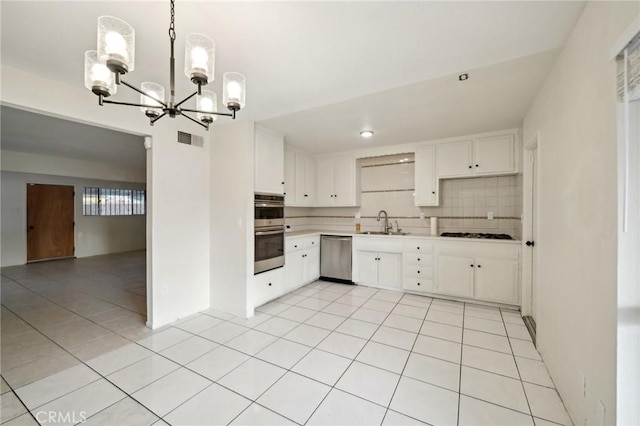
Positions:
(104, 68)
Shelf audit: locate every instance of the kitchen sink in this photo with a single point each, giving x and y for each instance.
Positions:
(383, 233)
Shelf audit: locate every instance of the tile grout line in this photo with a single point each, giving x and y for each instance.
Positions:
(406, 362)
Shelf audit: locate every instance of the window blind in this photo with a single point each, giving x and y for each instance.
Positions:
(629, 70)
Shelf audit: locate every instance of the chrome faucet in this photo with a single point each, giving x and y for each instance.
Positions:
(386, 220)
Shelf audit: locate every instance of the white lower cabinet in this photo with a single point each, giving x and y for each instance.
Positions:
(482, 271)
(378, 261)
(455, 275)
(379, 268)
(417, 266)
(495, 279)
(302, 261)
(267, 286)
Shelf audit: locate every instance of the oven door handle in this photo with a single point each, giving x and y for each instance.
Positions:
(269, 204)
(280, 231)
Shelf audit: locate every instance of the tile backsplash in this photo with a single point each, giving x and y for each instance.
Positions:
(387, 183)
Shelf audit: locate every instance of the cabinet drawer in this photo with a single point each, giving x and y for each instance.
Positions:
(292, 244)
(267, 286)
(418, 246)
(419, 271)
(418, 259)
(417, 284)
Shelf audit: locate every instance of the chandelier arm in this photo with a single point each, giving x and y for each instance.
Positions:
(206, 112)
(186, 99)
(153, 120)
(132, 87)
(196, 121)
(106, 101)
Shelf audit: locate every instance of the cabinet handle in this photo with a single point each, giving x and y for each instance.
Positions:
(476, 165)
(433, 192)
(281, 183)
(306, 195)
(269, 284)
(418, 271)
(418, 283)
(295, 246)
(471, 265)
(418, 248)
(418, 259)
(336, 195)
(470, 167)
(479, 266)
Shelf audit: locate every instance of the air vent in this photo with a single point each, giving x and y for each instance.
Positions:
(189, 139)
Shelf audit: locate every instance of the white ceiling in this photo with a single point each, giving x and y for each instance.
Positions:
(26, 131)
(299, 56)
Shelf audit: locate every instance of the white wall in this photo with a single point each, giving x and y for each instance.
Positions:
(575, 112)
(232, 153)
(178, 189)
(94, 235)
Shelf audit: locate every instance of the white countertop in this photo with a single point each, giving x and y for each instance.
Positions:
(311, 232)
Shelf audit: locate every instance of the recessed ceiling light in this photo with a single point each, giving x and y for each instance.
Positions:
(366, 133)
(463, 77)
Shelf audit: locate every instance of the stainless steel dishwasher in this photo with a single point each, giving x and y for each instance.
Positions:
(335, 258)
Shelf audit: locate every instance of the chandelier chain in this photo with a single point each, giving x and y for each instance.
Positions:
(172, 25)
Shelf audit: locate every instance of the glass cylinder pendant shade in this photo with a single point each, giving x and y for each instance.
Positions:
(156, 91)
(116, 44)
(234, 90)
(208, 102)
(199, 58)
(97, 77)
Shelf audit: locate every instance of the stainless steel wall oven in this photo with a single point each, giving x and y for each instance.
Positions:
(268, 232)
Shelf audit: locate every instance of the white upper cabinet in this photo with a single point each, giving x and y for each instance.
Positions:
(305, 183)
(269, 162)
(299, 178)
(337, 181)
(494, 155)
(426, 182)
(454, 159)
(289, 176)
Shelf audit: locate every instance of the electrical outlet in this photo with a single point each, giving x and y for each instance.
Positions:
(165, 290)
(490, 215)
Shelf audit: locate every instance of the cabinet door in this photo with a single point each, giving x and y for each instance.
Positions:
(494, 155)
(344, 180)
(425, 177)
(367, 267)
(301, 191)
(324, 178)
(289, 177)
(312, 265)
(389, 269)
(310, 180)
(294, 267)
(269, 162)
(454, 159)
(455, 275)
(497, 280)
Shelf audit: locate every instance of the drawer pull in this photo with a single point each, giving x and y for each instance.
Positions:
(418, 271)
(418, 259)
(418, 283)
(269, 284)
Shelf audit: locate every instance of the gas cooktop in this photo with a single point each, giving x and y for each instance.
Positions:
(477, 235)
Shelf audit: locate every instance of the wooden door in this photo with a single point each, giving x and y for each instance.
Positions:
(50, 213)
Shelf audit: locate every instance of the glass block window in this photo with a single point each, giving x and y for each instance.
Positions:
(114, 202)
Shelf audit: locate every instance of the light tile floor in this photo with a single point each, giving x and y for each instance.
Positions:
(74, 347)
